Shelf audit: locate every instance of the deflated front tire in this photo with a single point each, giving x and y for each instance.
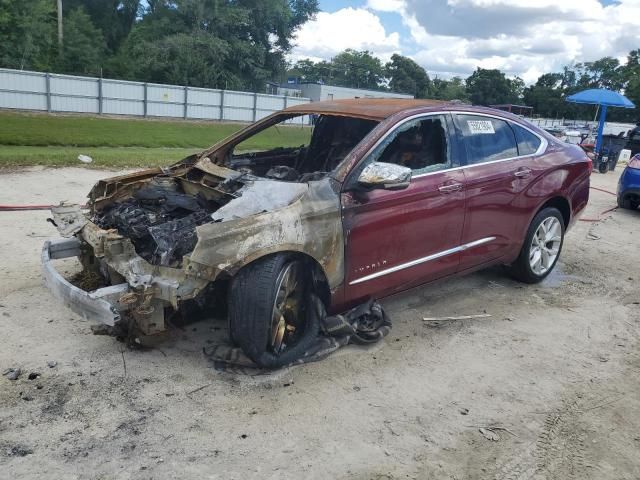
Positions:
(271, 313)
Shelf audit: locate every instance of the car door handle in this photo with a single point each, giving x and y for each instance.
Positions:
(522, 172)
(450, 188)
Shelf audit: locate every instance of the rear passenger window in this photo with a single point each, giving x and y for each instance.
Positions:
(487, 139)
(528, 143)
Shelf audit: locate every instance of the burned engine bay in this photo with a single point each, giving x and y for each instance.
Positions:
(160, 219)
(160, 214)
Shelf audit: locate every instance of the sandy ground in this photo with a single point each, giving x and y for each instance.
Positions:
(556, 366)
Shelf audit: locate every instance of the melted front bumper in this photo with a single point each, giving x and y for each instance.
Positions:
(102, 305)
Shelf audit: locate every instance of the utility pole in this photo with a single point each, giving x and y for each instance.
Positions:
(60, 26)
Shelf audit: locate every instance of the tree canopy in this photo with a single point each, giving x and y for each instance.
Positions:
(206, 43)
(492, 87)
(406, 76)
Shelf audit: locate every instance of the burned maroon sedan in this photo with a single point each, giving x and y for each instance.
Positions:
(386, 195)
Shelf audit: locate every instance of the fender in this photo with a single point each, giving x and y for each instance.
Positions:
(310, 225)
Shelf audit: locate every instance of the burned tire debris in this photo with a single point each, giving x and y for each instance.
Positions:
(363, 325)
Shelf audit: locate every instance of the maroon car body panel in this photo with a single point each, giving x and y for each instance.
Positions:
(398, 229)
(391, 228)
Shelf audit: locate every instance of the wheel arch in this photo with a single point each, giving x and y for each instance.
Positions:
(559, 202)
(319, 275)
(556, 201)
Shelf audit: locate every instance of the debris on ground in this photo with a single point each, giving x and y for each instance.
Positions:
(88, 280)
(33, 375)
(17, 451)
(85, 158)
(451, 319)
(12, 373)
(489, 434)
(101, 329)
(365, 324)
(52, 363)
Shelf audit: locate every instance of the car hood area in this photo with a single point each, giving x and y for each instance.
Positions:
(206, 220)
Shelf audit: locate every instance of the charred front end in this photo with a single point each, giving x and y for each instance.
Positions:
(160, 238)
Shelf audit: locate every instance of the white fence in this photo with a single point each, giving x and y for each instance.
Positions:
(50, 92)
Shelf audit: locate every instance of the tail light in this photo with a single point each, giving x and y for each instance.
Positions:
(635, 162)
(590, 162)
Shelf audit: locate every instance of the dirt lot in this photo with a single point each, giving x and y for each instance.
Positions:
(556, 365)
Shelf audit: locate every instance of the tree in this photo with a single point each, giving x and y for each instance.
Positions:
(350, 68)
(113, 18)
(84, 47)
(517, 86)
(453, 89)
(491, 87)
(28, 33)
(546, 95)
(406, 76)
(238, 44)
(353, 68)
(603, 73)
(309, 71)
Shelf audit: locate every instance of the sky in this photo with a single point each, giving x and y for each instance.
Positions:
(453, 37)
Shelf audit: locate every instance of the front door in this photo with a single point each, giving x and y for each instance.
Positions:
(398, 239)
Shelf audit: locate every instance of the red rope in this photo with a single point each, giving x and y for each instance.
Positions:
(26, 208)
(603, 190)
(19, 208)
(599, 219)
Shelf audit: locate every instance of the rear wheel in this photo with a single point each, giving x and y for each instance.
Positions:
(627, 203)
(541, 248)
(271, 315)
(603, 167)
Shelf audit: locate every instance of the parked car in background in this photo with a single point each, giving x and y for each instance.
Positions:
(629, 185)
(386, 195)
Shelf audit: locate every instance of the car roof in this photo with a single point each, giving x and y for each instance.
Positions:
(367, 108)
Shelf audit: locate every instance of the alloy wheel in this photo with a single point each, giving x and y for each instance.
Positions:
(286, 321)
(545, 245)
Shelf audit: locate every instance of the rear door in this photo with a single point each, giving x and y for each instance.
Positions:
(397, 239)
(500, 165)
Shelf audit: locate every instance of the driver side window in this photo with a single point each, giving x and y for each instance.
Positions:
(421, 145)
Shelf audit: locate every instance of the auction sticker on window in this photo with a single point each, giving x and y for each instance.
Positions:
(480, 126)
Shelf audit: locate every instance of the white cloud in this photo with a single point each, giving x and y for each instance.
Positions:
(521, 37)
(385, 5)
(454, 37)
(331, 33)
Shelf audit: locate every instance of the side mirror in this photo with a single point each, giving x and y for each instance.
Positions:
(388, 176)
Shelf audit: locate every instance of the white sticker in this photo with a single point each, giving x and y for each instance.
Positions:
(480, 126)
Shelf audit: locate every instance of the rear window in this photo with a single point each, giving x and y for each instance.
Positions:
(487, 139)
(528, 143)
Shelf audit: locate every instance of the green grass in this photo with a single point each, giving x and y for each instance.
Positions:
(103, 157)
(41, 139)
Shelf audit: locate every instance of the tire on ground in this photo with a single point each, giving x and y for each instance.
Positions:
(251, 300)
(521, 269)
(627, 203)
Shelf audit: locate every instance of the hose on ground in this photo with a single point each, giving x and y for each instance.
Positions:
(26, 208)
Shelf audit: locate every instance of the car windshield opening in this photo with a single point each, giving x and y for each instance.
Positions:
(301, 152)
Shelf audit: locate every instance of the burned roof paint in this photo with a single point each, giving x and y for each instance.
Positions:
(368, 108)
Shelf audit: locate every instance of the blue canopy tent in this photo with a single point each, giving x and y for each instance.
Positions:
(605, 98)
